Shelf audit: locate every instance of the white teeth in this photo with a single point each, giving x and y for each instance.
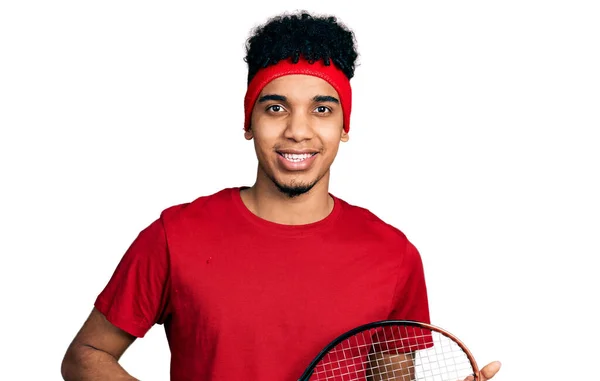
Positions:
(296, 157)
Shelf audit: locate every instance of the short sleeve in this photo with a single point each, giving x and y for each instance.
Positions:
(410, 302)
(137, 295)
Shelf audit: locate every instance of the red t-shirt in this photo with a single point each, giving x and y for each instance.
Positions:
(242, 298)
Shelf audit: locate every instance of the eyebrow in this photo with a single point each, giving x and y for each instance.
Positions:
(325, 98)
(272, 97)
(281, 98)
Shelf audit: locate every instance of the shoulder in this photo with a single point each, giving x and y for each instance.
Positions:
(357, 217)
(201, 207)
(361, 222)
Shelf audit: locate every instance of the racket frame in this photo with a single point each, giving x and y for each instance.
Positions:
(385, 323)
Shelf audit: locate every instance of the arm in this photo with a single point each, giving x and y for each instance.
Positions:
(95, 351)
(386, 367)
(135, 298)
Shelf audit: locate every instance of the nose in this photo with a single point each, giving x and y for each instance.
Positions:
(299, 127)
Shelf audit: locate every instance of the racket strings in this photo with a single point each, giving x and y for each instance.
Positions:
(395, 353)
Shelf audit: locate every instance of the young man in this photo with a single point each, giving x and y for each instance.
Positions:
(251, 282)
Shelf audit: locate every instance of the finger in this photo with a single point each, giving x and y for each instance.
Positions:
(490, 370)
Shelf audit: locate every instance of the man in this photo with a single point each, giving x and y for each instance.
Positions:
(251, 282)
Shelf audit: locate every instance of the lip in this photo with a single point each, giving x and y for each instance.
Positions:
(294, 166)
(297, 151)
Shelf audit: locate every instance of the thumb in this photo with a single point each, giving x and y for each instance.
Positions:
(490, 370)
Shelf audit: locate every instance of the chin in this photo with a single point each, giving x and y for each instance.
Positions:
(295, 187)
(294, 190)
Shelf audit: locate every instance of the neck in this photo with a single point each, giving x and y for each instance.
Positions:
(266, 201)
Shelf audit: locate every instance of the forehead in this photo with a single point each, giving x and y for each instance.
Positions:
(299, 86)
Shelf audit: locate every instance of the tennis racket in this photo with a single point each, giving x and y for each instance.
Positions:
(398, 350)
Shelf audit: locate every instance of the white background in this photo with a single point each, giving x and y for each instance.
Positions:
(474, 131)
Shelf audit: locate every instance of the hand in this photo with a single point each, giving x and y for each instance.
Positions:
(487, 371)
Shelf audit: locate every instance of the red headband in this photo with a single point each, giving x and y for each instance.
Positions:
(331, 73)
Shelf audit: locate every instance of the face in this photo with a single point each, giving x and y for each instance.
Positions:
(297, 126)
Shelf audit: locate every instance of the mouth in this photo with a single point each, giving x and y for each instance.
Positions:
(296, 157)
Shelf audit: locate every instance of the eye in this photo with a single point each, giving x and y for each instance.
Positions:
(275, 108)
(322, 109)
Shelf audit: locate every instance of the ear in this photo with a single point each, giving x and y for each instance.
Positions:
(248, 134)
(345, 137)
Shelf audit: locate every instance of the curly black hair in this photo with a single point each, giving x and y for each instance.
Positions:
(301, 34)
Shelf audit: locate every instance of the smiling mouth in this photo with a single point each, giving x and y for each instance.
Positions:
(296, 157)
